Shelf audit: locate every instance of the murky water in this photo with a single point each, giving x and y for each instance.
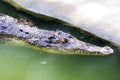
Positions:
(21, 63)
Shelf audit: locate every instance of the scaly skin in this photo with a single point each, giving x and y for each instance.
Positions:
(58, 41)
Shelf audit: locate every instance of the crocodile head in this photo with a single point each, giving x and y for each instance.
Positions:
(66, 43)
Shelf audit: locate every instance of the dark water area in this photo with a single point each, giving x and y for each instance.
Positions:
(22, 63)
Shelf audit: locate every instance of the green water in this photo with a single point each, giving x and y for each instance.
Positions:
(21, 63)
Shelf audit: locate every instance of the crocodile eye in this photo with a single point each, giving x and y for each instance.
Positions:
(64, 41)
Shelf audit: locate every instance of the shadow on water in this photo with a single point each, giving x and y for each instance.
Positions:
(20, 63)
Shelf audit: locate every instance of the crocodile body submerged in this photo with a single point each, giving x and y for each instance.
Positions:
(52, 39)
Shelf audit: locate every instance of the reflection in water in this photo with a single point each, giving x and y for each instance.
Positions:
(21, 63)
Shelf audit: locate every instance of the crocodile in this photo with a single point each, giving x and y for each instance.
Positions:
(58, 40)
